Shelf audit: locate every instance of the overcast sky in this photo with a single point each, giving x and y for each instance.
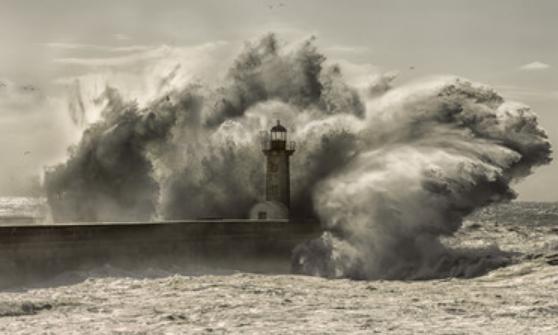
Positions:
(508, 44)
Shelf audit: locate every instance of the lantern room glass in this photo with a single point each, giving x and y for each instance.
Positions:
(278, 135)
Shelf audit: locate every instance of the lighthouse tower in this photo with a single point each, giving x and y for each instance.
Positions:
(277, 150)
(277, 180)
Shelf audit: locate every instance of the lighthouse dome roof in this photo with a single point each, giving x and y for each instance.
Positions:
(278, 127)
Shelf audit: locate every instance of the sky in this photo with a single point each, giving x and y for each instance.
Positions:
(51, 49)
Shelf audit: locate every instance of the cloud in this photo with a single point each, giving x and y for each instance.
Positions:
(114, 61)
(140, 53)
(78, 46)
(533, 66)
(62, 45)
(121, 37)
(347, 49)
(522, 93)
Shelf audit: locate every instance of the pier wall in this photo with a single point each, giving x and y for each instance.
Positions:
(248, 245)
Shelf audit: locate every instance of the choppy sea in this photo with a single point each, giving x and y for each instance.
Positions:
(518, 299)
(33, 208)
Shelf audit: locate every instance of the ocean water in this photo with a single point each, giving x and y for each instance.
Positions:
(521, 298)
(33, 208)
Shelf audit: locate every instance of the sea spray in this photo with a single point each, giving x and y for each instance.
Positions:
(432, 155)
(387, 172)
(193, 151)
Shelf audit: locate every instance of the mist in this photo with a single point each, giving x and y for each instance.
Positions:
(431, 154)
(194, 150)
(388, 170)
(35, 131)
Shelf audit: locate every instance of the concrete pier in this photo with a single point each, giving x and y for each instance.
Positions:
(36, 251)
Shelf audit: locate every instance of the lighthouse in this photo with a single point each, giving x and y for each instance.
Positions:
(277, 150)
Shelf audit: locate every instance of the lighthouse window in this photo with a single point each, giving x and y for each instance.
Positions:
(278, 136)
